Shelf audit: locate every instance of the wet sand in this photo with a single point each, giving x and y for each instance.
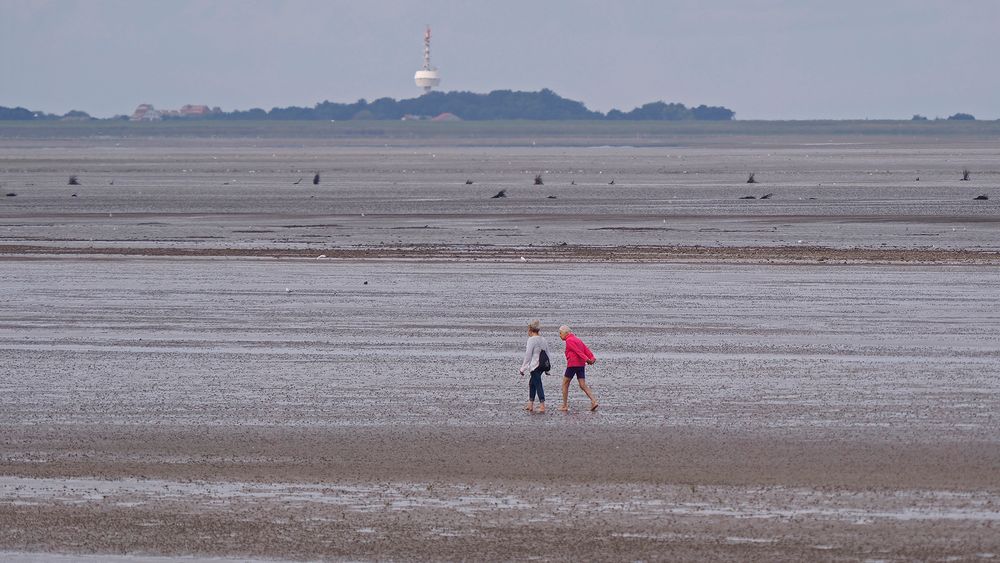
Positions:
(181, 375)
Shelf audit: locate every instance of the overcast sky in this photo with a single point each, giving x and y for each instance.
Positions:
(764, 59)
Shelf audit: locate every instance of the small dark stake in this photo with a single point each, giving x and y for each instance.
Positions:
(316, 179)
(572, 182)
(611, 183)
(538, 180)
(965, 175)
(751, 179)
(551, 197)
(74, 195)
(766, 196)
(73, 181)
(468, 182)
(11, 194)
(748, 197)
(297, 182)
(501, 193)
(983, 197)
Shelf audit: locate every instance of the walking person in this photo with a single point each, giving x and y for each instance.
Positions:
(578, 356)
(536, 361)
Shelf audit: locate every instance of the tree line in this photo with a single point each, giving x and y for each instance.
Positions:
(496, 105)
(22, 114)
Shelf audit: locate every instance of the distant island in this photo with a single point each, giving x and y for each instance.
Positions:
(498, 105)
(441, 106)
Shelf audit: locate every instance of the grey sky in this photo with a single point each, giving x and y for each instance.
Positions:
(764, 59)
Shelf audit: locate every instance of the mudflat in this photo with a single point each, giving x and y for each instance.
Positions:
(200, 357)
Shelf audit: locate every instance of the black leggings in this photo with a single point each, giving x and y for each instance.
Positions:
(535, 386)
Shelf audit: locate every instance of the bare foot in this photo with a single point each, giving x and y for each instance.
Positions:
(593, 406)
(529, 407)
(564, 408)
(541, 409)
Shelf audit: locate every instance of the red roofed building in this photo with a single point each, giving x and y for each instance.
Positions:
(446, 116)
(195, 111)
(145, 112)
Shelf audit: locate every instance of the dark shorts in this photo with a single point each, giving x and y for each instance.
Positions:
(577, 371)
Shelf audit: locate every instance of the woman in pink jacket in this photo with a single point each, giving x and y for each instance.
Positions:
(578, 356)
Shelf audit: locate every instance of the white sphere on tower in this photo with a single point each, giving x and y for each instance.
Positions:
(427, 79)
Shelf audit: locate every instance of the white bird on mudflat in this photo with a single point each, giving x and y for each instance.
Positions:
(523, 259)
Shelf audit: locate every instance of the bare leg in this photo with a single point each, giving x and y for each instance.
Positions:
(590, 394)
(565, 390)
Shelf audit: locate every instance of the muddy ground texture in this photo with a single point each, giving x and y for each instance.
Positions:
(201, 357)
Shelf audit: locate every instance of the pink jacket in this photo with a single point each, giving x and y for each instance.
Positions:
(577, 352)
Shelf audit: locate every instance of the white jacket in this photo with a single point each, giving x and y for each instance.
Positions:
(535, 345)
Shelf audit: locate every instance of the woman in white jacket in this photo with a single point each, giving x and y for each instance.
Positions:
(536, 345)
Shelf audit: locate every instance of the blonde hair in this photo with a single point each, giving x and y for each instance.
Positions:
(565, 329)
(535, 325)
